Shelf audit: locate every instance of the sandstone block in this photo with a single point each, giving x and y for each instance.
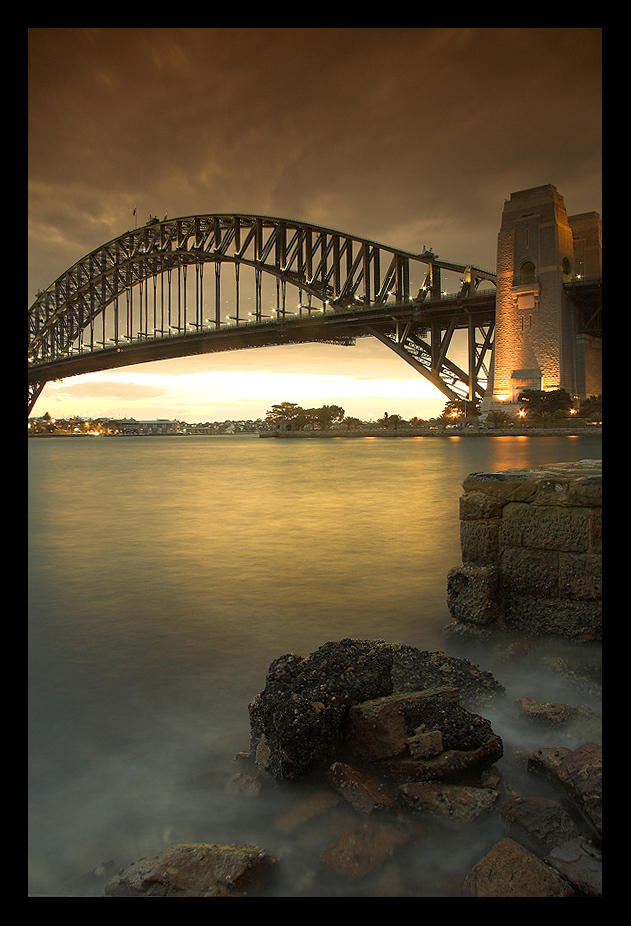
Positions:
(363, 791)
(424, 745)
(580, 863)
(451, 765)
(472, 594)
(546, 761)
(508, 486)
(534, 616)
(542, 528)
(479, 541)
(581, 773)
(540, 822)
(379, 728)
(475, 505)
(453, 801)
(510, 870)
(196, 870)
(580, 576)
(532, 572)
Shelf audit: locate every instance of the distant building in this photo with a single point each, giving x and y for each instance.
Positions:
(142, 427)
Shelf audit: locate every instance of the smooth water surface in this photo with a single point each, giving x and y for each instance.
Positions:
(166, 573)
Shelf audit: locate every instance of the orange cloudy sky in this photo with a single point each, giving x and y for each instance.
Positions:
(406, 136)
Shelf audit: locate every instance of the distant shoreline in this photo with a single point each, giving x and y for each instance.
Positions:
(424, 432)
(368, 432)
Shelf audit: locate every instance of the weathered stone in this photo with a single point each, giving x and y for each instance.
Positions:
(363, 848)
(539, 823)
(581, 773)
(450, 765)
(416, 670)
(580, 575)
(305, 703)
(509, 485)
(531, 572)
(553, 712)
(473, 594)
(510, 870)
(545, 529)
(469, 744)
(298, 722)
(531, 553)
(587, 491)
(546, 761)
(574, 620)
(196, 870)
(461, 729)
(363, 791)
(456, 802)
(425, 745)
(579, 862)
(379, 728)
(476, 505)
(479, 541)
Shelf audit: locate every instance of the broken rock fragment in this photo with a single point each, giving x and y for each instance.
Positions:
(196, 870)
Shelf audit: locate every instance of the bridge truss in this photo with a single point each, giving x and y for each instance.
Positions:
(146, 295)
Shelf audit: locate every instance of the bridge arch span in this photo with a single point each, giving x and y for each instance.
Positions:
(145, 296)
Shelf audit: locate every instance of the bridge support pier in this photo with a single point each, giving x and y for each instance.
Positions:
(543, 257)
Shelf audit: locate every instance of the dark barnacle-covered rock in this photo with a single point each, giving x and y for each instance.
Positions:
(298, 722)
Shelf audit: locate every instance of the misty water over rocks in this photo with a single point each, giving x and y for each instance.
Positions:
(165, 578)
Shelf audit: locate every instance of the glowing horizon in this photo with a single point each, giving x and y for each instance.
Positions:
(236, 395)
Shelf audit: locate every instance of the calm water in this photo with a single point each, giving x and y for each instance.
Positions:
(165, 574)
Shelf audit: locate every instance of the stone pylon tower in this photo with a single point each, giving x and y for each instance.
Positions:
(540, 341)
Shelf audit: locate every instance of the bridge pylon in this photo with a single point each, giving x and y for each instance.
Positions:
(548, 332)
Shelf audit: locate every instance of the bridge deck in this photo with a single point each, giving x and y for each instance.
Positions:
(333, 326)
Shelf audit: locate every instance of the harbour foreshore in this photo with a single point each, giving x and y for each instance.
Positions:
(434, 432)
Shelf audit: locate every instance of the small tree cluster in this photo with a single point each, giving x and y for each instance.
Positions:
(293, 417)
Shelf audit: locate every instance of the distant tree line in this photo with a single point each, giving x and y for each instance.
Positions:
(291, 416)
(537, 407)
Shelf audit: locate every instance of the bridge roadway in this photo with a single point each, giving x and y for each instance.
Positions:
(394, 324)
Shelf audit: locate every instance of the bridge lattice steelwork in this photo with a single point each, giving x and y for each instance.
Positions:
(146, 295)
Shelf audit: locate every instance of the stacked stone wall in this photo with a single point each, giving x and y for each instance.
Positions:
(531, 545)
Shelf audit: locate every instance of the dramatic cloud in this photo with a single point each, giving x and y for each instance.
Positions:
(408, 136)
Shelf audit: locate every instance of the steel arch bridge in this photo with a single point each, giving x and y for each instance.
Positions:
(146, 296)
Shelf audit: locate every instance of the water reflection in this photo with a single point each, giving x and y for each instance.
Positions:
(165, 575)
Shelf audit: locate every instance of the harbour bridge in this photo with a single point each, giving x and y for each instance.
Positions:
(208, 283)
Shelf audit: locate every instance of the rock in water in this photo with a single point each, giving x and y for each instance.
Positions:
(298, 721)
(196, 870)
